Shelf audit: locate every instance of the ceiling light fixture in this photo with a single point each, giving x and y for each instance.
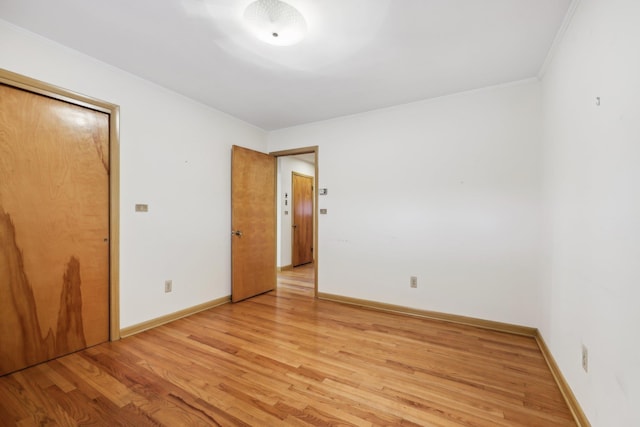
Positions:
(275, 22)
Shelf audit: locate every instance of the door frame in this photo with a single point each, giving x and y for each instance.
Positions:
(39, 87)
(316, 252)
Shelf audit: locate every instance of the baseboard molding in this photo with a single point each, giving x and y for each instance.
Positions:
(577, 412)
(578, 415)
(150, 324)
(452, 318)
(285, 268)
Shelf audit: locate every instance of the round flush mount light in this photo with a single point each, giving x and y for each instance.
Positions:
(275, 22)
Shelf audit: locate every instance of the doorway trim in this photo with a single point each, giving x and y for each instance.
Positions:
(316, 252)
(39, 87)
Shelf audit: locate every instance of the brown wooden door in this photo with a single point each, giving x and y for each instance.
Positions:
(253, 223)
(54, 228)
(302, 233)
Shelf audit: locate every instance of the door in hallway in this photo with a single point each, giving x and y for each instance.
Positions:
(253, 223)
(54, 228)
(302, 233)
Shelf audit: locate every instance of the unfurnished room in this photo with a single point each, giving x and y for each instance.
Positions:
(320, 212)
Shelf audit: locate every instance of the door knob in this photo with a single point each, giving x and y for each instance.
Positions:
(236, 233)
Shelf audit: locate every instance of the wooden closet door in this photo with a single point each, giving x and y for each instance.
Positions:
(54, 228)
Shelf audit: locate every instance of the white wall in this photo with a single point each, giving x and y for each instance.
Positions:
(286, 166)
(175, 156)
(447, 190)
(592, 185)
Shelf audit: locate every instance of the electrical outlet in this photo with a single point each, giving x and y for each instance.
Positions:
(168, 286)
(585, 358)
(413, 281)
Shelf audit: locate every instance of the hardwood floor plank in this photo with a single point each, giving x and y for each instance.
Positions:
(45, 411)
(349, 406)
(97, 378)
(61, 382)
(285, 358)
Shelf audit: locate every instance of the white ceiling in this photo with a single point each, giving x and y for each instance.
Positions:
(359, 55)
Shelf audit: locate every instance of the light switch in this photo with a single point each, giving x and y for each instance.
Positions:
(323, 211)
(142, 208)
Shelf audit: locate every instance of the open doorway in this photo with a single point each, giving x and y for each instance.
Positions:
(296, 195)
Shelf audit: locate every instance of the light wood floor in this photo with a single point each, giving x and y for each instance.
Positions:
(284, 358)
(299, 280)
